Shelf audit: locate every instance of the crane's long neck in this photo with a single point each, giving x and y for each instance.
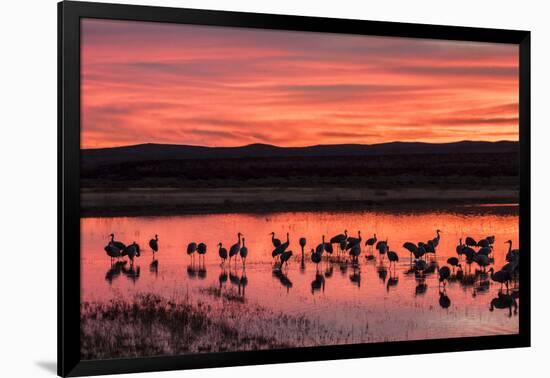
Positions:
(287, 238)
(243, 242)
(112, 237)
(509, 247)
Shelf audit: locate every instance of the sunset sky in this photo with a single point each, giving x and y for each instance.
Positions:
(214, 86)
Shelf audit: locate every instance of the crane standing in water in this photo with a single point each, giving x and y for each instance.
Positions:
(303, 242)
(274, 241)
(370, 242)
(244, 253)
(222, 252)
(154, 244)
(235, 248)
(201, 250)
(191, 249)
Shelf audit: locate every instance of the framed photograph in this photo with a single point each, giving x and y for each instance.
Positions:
(239, 188)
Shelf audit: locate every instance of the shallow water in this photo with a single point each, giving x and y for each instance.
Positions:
(371, 303)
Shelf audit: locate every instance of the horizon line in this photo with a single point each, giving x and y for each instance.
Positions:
(307, 146)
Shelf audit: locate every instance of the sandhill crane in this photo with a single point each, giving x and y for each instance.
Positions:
(471, 242)
(512, 254)
(315, 258)
(381, 246)
(222, 252)
(444, 274)
(201, 250)
(132, 251)
(370, 242)
(454, 262)
(393, 257)
(502, 277)
(352, 241)
(483, 243)
(116, 243)
(435, 240)
(244, 253)
(321, 247)
(235, 248)
(191, 248)
(303, 242)
(460, 248)
(339, 239)
(412, 248)
(112, 251)
(282, 247)
(485, 250)
(154, 243)
(482, 260)
(285, 256)
(429, 247)
(355, 251)
(275, 242)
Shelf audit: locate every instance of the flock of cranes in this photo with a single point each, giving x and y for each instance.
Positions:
(468, 253)
(347, 250)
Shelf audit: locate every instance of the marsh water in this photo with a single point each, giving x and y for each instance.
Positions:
(371, 302)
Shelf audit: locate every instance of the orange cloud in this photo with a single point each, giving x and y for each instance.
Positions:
(199, 85)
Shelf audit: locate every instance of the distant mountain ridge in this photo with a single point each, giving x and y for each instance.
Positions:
(157, 152)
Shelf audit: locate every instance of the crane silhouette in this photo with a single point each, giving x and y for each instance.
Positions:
(222, 252)
(154, 243)
(244, 253)
(235, 248)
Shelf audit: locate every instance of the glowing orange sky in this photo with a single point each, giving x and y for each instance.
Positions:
(213, 86)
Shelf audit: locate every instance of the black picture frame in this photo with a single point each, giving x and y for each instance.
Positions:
(69, 15)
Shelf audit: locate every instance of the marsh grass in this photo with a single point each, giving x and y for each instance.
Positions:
(151, 325)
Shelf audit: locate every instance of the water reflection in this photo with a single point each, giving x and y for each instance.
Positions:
(369, 285)
(318, 284)
(154, 266)
(282, 278)
(504, 301)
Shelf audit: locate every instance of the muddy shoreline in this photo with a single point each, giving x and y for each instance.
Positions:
(174, 201)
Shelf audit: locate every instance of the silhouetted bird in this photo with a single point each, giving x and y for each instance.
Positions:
(201, 250)
(132, 251)
(435, 240)
(502, 276)
(444, 274)
(482, 260)
(222, 252)
(471, 242)
(191, 248)
(116, 243)
(243, 252)
(282, 247)
(274, 241)
(370, 242)
(302, 245)
(512, 254)
(454, 262)
(285, 256)
(352, 241)
(235, 248)
(393, 257)
(154, 243)
(315, 258)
